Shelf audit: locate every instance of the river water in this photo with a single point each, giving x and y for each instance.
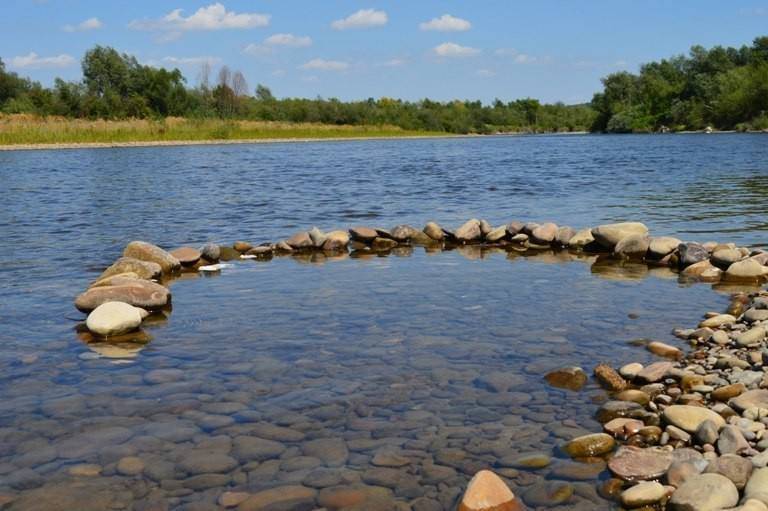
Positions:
(396, 376)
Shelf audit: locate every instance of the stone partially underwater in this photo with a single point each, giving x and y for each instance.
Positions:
(680, 415)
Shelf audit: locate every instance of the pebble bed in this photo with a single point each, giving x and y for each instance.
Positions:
(686, 433)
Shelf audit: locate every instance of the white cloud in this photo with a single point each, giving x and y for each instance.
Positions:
(212, 17)
(486, 73)
(190, 61)
(35, 61)
(294, 41)
(257, 50)
(361, 19)
(325, 65)
(454, 50)
(520, 58)
(446, 23)
(89, 24)
(394, 62)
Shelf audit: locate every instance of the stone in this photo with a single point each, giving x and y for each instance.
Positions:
(622, 427)
(753, 315)
(139, 293)
(514, 228)
(383, 244)
(564, 235)
(544, 234)
(662, 246)
(632, 463)
(630, 371)
(689, 418)
(146, 270)
(384, 476)
(90, 494)
(581, 239)
(613, 409)
(210, 252)
(317, 236)
(707, 432)
(752, 336)
(336, 240)
(727, 392)
(387, 458)
(496, 234)
(130, 466)
(680, 471)
(634, 246)
(115, 279)
(757, 398)
(595, 444)
(724, 257)
(717, 321)
(487, 492)
(609, 235)
(731, 441)
(148, 252)
(402, 233)
(242, 246)
(232, 498)
(571, 378)
(300, 241)
(363, 234)
(609, 378)
(247, 448)
(732, 466)
(691, 253)
(757, 486)
(634, 395)
(332, 451)
(187, 256)
(705, 492)
(114, 318)
(207, 462)
(643, 494)
(287, 498)
(747, 270)
(531, 460)
(260, 252)
(548, 493)
(434, 231)
(700, 269)
(469, 231)
(664, 350)
(654, 372)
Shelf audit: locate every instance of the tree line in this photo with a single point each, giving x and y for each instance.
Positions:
(726, 88)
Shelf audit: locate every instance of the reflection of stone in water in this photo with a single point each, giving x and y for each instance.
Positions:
(613, 269)
(736, 287)
(121, 350)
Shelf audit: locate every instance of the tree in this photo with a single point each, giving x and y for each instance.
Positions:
(263, 93)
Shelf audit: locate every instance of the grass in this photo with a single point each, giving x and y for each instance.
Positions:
(22, 129)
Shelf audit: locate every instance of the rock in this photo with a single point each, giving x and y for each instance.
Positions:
(187, 256)
(564, 235)
(705, 492)
(732, 466)
(514, 228)
(634, 246)
(757, 398)
(146, 270)
(662, 246)
(680, 471)
(747, 270)
(300, 241)
(644, 494)
(723, 258)
(317, 236)
(630, 371)
(210, 252)
(247, 448)
(260, 252)
(285, 498)
(242, 246)
(544, 234)
(114, 318)
(548, 494)
(585, 446)
(139, 293)
(84, 470)
(702, 269)
(497, 234)
(731, 441)
(383, 244)
(363, 234)
(717, 321)
(130, 466)
(689, 418)
(485, 227)
(632, 463)
(634, 395)
(707, 432)
(609, 235)
(609, 378)
(532, 460)
(727, 392)
(614, 409)
(148, 252)
(571, 378)
(228, 254)
(469, 231)
(622, 427)
(434, 231)
(387, 458)
(581, 239)
(207, 462)
(332, 451)
(336, 240)
(691, 253)
(752, 336)
(487, 492)
(664, 350)
(654, 372)
(232, 498)
(757, 486)
(403, 233)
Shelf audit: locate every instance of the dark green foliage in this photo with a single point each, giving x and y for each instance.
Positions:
(726, 88)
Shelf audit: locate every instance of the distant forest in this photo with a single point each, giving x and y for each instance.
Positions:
(725, 88)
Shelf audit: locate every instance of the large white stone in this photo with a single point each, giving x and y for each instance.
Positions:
(114, 318)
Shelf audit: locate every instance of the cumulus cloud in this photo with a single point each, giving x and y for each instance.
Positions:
(89, 24)
(454, 50)
(361, 19)
(446, 23)
(212, 17)
(519, 58)
(325, 65)
(290, 40)
(34, 61)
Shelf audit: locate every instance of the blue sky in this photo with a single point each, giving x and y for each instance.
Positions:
(478, 49)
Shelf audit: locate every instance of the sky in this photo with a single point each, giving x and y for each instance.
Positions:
(553, 50)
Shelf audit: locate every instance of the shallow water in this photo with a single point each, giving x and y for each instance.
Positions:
(437, 356)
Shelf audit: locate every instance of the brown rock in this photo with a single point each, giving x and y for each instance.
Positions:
(144, 269)
(664, 350)
(434, 231)
(116, 280)
(139, 293)
(187, 256)
(571, 378)
(364, 234)
(148, 252)
(622, 427)
(336, 240)
(468, 232)
(609, 235)
(609, 378)
(634, 246)
(383, 244)
(595, 444)
(300, 241)
(640, 464)
(544, 234)
(654, 372)
(728, 391)
(242, 246)
(282, 497)
(487, 492)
